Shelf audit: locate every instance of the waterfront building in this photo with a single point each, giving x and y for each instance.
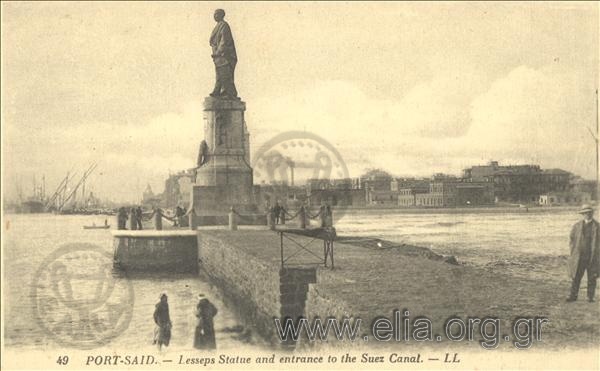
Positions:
(448, 192)
(442, 193)
(382, 197)
(565, 198)
(578, 184)
(178, 188)
(337, 197)
(518, 183)
(474, 194)
(376, 180)
(266, 195)
(407, 197)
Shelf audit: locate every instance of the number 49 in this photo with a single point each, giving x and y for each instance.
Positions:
(63, 360)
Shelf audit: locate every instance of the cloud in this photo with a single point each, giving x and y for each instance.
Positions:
(529, 115)
(536, 115)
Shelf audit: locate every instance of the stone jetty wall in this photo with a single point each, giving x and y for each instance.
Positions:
(155, 251)
(246, 267)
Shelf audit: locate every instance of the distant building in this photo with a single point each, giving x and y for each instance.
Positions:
(343, 183)
(314, 184)
(335, 192)
(442, 193)
(267, 195)
(448, 191)
(147, 193)
(178, 188)
(578, 184)
(382, 197)
(149, 199)
(564, 198)
(407, 197)
(376, 180)
(337, 197)
(518, 183)
(474, 194)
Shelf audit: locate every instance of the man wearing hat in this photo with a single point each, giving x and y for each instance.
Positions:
(584, 244)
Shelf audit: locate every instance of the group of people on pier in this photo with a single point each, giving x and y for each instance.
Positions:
(279, 215)
(135, 216)
(204, 335)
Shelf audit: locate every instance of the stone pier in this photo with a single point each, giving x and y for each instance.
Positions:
(155, 251)
(262, 284)
(246, 266)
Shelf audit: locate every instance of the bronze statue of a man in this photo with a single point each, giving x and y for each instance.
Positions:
(224, 57)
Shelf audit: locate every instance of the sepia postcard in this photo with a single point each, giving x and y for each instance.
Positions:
(300, 185)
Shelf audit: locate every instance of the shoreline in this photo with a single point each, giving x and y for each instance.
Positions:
(464, 210)
(409, 276)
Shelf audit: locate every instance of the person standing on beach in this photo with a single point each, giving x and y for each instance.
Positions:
(162, 332)
(585, 249)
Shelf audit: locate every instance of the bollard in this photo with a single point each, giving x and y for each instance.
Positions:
(232, 220)
(192, 220)
(302, 215)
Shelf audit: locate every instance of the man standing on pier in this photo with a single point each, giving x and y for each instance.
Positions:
(585, 249)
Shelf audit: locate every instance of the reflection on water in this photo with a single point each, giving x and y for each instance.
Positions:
(529, 244)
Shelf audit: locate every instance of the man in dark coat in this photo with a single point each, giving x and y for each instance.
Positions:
(204, 337)
(122, 218)
(157, 214)
(277, 212)
(224, 56)
(585, 246)
(133, 219)
(138, 217)
(162, 319)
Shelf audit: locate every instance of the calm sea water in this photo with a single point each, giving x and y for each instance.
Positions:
(530, 244)
(29, 239)
(534, 244)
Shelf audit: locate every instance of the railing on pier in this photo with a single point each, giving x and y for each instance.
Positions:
(326, 233)
(315, 257)
(280, 217)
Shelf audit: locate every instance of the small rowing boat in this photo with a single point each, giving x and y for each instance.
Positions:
(96, 226)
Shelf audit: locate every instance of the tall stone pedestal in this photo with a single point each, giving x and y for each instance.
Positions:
(225, 178)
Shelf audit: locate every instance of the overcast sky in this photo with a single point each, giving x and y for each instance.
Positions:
(413, 88)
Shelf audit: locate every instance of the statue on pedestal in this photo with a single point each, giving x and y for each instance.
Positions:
(224, 57)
